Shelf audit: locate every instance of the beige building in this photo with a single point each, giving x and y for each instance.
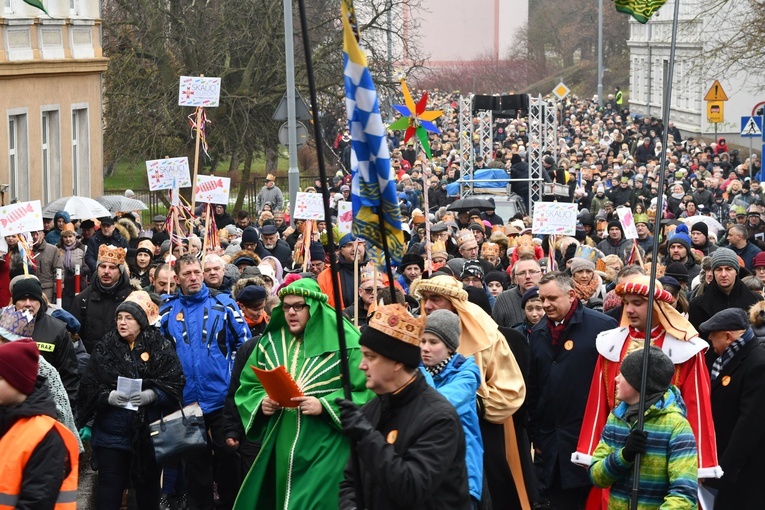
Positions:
(51, 141)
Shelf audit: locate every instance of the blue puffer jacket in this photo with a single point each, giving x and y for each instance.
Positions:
(54, 236)
(459, 382)
(208, 329)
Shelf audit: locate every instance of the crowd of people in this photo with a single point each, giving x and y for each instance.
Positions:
(499, 368)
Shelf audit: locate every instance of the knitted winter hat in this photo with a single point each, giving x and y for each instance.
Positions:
(19, 363)
(759, 260)
(681, 237)
(725, 257)
(702, 227)
(661, 370)
(580, 264)
(28, 287)
(446, 326)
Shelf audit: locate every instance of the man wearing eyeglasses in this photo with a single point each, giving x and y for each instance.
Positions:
(304, 451)
(507, 311)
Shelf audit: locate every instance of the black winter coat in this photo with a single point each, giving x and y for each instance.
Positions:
(49, 463)
(281, 252)
(738, 408)
(96, 309)
(713, 300)
(557, 390)
(422, 466)
(57, 348)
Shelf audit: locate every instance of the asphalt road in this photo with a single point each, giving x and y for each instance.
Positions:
(87, 484)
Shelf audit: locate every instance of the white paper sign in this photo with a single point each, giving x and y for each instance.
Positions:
(628, 222)
(557, 218)
(161, 173)
(212, 189)
(309, 206)
(344, 217)
(198, 91)
(21, 217)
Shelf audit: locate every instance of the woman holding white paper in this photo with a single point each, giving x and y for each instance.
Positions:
(115, 419)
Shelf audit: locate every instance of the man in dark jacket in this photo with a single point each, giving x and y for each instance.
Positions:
(615, 243)
(409, 441)
(49, 333)
(725, 291)
(349, 247)
(96, 306)
(679, 250)
(700, 238)
(738, 408)
(107, 234)
(276, 247)
(563, 357)
(222, 218)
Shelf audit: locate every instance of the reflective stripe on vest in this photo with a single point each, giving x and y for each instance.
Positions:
(17, 446)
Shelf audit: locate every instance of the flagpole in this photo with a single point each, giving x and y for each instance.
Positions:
(652, 282)
(333, 263)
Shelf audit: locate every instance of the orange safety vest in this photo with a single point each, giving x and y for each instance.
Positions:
(17, 446)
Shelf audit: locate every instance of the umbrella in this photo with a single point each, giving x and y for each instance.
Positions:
(712, 223)
(465, 204)
(119, 203)
(79, 208)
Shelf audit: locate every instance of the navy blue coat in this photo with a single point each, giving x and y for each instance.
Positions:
(557, 391)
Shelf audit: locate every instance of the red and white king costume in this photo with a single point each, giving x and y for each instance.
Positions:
(678, 339)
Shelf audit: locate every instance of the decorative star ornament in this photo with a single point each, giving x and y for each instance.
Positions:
(416, 119)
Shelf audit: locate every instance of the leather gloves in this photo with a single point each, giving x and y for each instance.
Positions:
(117, 399)
(355, 424)
(636, 443)
(144, 398)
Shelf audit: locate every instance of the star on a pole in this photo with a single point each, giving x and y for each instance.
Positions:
(416, 119)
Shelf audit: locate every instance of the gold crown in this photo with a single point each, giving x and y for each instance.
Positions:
(367, 273)
(395, 321)
(142, 299)
(490, 249)
(112, 254)
(270, 177)
(464, 236)
(447, 217)
(438, 247)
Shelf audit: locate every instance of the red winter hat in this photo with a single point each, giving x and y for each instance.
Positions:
(19, 363)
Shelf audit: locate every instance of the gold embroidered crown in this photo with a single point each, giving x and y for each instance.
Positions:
(112, 254)
(395, 321)
(464, 236)
(367, 273)
(142, 299)
(438, 247)
(490, 249)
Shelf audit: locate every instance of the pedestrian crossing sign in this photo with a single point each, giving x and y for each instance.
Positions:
(751, 127)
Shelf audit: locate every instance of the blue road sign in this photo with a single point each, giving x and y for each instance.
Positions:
(751, 127)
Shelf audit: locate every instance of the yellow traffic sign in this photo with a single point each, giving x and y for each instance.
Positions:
(715, 111)
(561, 90)
(716, 93)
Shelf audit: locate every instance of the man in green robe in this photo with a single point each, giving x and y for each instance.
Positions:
(304, 451)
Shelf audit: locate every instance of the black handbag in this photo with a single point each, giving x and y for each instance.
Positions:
(179, 434)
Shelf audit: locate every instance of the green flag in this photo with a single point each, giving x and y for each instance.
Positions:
(38, 4)
(641, 10)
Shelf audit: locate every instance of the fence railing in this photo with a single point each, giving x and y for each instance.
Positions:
(157, 206)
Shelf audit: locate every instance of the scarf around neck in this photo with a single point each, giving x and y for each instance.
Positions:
(729, 352)
(438, 368)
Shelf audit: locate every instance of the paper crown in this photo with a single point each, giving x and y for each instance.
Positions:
(112, 254)
(395, 321)
(447, 217)
(15, 325)
(490, 249)
(368, 273)
(418, 217)
(142, 299)
(589, 253)
(438, 247)
(270, 177)
(464, 236)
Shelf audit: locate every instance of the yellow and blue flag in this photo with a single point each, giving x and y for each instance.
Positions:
(374, 197)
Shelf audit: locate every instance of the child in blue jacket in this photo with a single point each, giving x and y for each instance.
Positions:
(457, 378)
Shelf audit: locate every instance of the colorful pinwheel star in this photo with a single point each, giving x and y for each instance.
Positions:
(416, 119)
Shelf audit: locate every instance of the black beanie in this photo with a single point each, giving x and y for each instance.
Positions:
(661, 370)
(136, 311)
(615, 223)
(249, 235)
(27, 288)
(702, 227)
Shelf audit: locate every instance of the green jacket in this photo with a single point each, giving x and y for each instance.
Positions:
(668, 470)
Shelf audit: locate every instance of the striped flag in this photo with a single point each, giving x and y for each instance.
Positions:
(641, 10)
(36, 3)
(374, 197)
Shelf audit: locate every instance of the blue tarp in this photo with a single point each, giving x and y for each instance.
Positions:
(453, 189)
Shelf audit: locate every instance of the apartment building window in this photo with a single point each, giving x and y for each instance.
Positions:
(8, 6)
(18, 156)
(80, 152)
(51, 156)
